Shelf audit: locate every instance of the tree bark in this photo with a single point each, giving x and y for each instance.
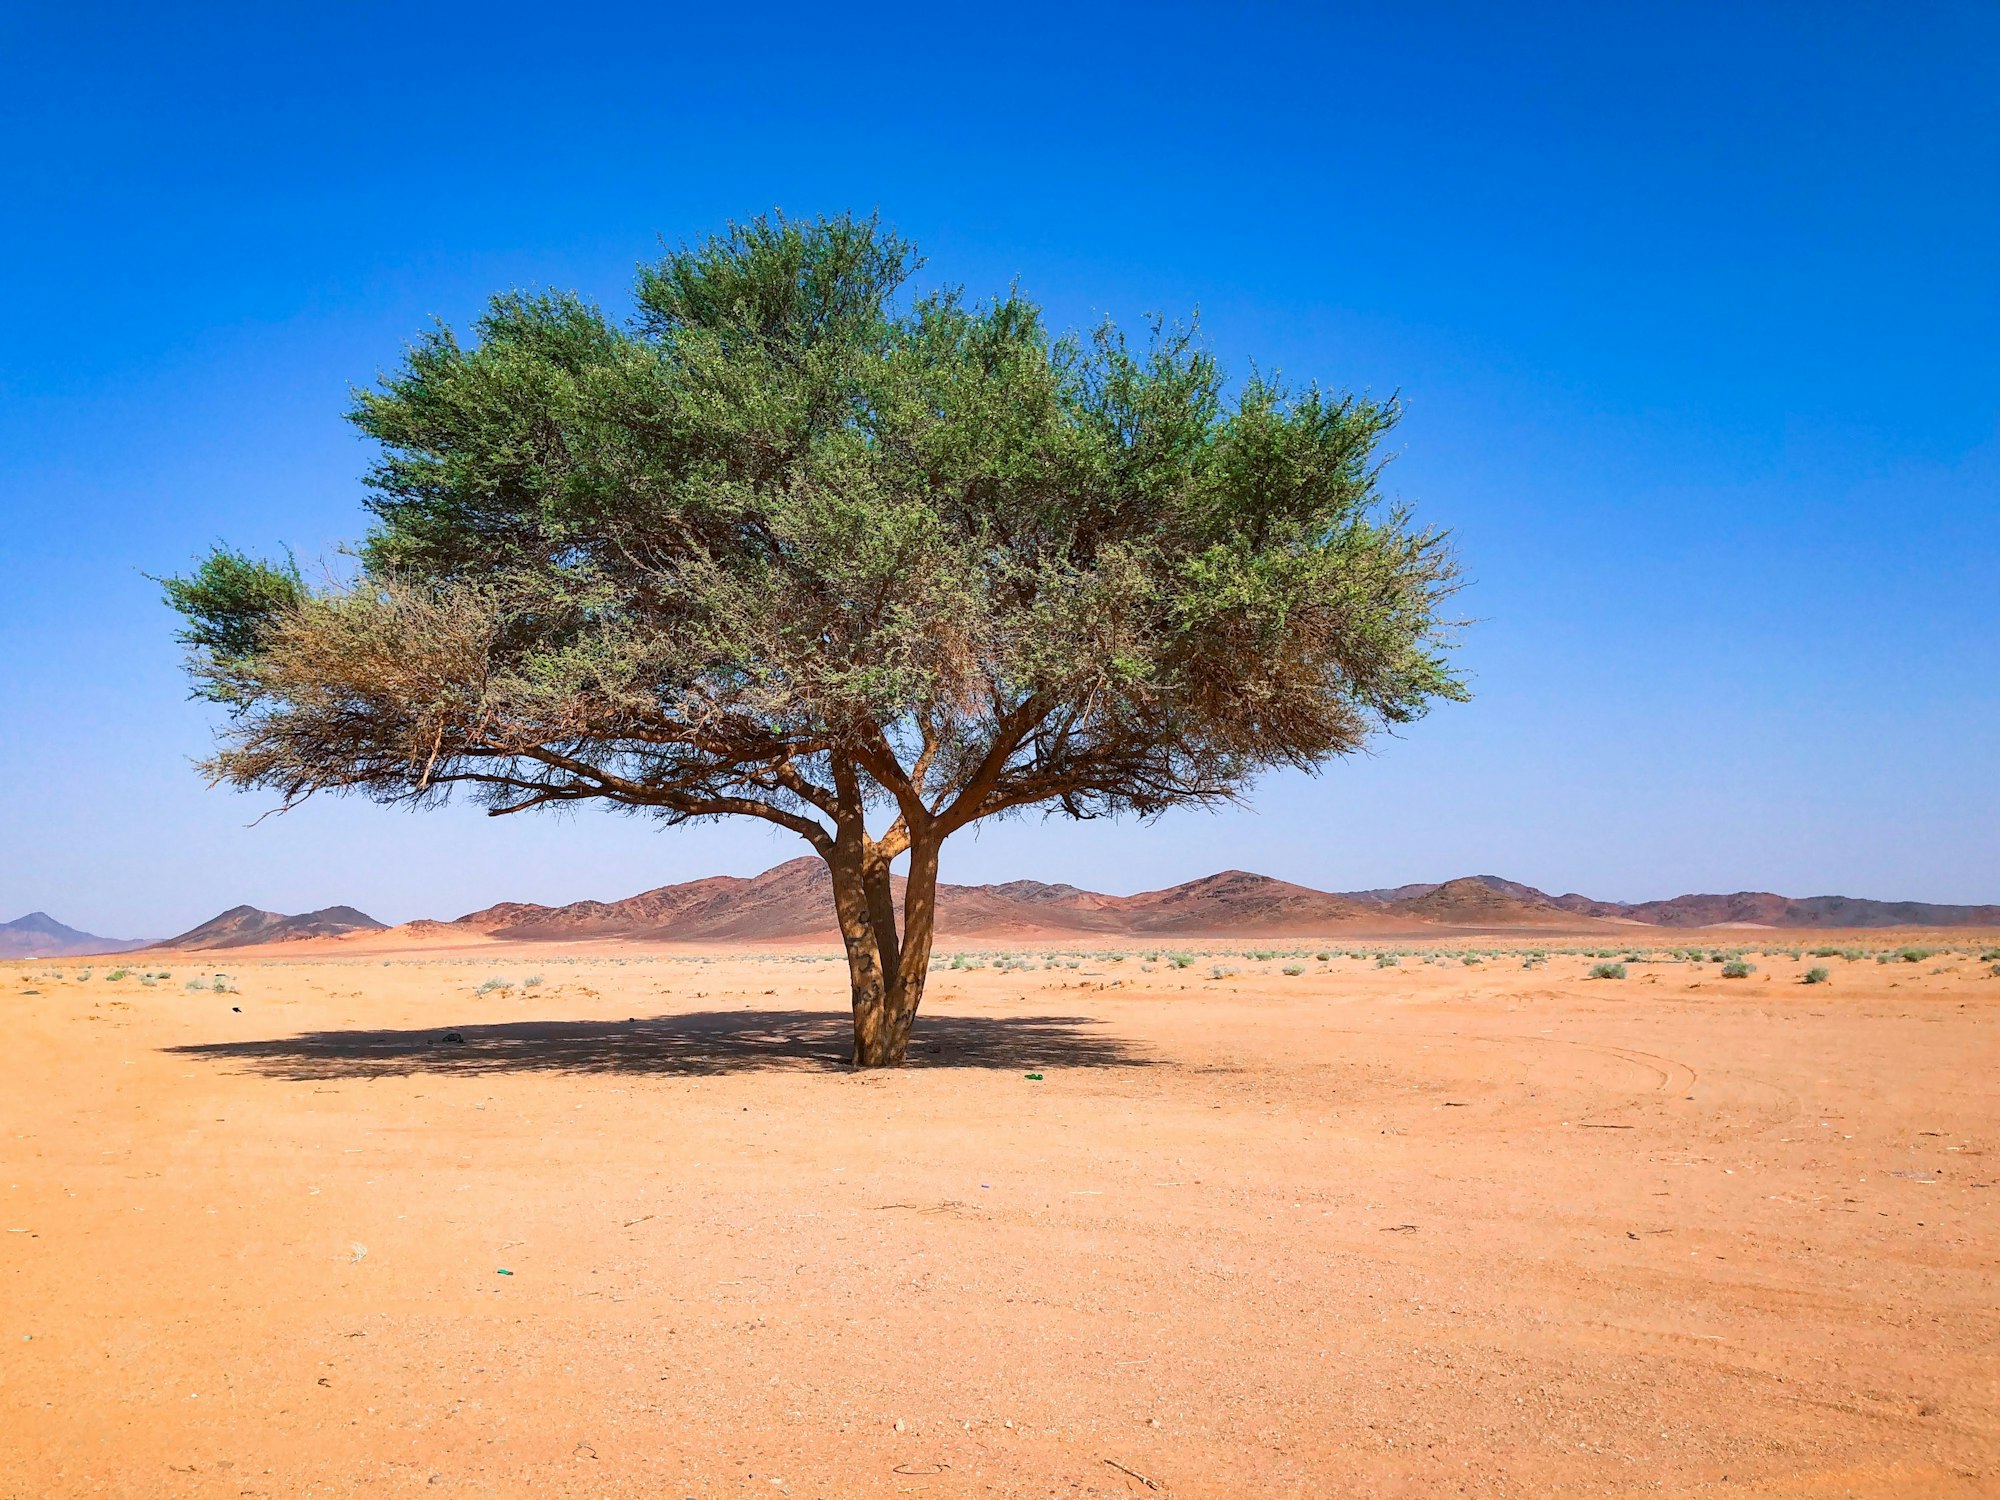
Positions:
(869, 984)
(906, 985)
(886, 970)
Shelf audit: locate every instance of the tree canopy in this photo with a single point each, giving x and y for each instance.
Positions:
(793, 543)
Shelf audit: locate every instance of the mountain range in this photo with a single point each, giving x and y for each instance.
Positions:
(39, 935)
(792, 902)
(247, 927)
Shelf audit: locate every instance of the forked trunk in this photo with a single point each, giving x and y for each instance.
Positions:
(885, 969)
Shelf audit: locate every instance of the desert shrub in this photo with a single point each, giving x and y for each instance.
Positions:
(1325, 958)
(1607, 971)
(1736, 968)
(1718, 958)
(1386, 960)
(1294, 970)
(1826, 953)
(1991, 955)
(1181, 960)
(1914, 955)
(1221, 971)
(118, 974)
(1817, 975)
(1470, 959)
(491, 985)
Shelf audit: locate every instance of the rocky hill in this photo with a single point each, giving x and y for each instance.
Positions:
(39, 935)
(246, 926)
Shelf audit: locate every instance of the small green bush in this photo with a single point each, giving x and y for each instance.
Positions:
(1386, 961)
(1817, 975)
(1181, 960)
(1736, 968)
(1294, 969)
(1325, 958)
(1607, 971)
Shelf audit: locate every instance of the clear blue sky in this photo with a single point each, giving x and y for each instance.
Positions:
(1694, 309)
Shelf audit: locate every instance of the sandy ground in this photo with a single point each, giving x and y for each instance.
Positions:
(1424, 1230)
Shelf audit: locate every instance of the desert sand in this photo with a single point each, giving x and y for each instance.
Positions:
(1430, 1229)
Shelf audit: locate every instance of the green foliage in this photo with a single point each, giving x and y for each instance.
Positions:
(1607, 971)
(792, 518)
(1386, 961)
(231, 603)
(1294, 969)
(1736, 968)
(1817, 975)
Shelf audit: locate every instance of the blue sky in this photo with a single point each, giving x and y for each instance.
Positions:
(1694, 310)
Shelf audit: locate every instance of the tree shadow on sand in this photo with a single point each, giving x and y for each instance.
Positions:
(692, 1044)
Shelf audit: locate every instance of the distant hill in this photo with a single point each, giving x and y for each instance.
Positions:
(39, 935)
(1743, 908)
(1486, 901)
(246, 926)
(793, 902)
(1762, 908)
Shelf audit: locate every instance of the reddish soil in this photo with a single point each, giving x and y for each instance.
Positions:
(1413, 1231)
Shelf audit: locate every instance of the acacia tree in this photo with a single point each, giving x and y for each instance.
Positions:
(793, 544)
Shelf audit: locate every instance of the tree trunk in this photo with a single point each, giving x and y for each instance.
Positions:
(906, 985)
(886, 972)
(857, 933)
